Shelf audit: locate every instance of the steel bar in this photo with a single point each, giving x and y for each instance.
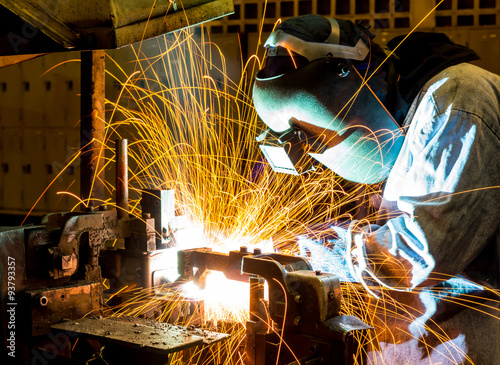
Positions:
(92, 127)
(122, 178)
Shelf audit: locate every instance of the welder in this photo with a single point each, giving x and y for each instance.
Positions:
(417, 117)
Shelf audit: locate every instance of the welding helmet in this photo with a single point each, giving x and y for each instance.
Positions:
(311, 93)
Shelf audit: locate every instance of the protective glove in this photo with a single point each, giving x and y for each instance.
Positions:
(328, 255)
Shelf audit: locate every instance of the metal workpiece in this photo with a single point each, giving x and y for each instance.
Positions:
(195, 264)
(137, 340)
(122, 178)
(160, 205)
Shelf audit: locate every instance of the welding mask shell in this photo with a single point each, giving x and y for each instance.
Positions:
(325, 100)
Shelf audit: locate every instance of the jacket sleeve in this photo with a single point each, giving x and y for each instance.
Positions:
(444, 193)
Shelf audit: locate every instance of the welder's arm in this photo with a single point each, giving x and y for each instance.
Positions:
(443, 185)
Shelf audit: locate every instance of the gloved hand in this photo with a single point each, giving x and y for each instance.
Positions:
(328, 255)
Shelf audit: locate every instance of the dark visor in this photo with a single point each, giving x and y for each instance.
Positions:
(279, 61)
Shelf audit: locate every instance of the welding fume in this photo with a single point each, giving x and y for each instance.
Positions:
(419, 117)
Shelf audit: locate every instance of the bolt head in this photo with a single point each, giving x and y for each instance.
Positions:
(297, 321)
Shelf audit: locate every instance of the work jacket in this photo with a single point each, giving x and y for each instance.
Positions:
(435, 251)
